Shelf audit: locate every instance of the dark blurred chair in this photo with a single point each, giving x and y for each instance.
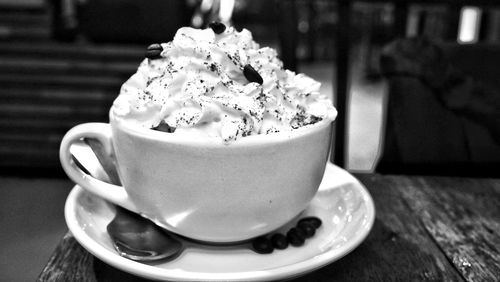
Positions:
(343, 40)
(443, 110)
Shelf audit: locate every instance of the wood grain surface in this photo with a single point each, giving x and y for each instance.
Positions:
(426, 229)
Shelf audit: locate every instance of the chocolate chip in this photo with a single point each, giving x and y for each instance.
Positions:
(154, 51)
(252, 75)
(279, 241)
(217, 27)
(262, 245)
(163, 126)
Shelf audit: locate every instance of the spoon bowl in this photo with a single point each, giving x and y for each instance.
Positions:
(137, 238)
(133, 236)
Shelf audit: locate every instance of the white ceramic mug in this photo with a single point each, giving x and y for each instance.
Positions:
(204, 189)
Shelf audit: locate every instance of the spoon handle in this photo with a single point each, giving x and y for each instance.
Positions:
(105, 161)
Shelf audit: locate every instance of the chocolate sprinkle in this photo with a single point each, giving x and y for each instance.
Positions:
(217, 27)
(252, 75)
(154, 51)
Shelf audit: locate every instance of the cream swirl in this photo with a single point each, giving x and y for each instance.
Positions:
(198, 87)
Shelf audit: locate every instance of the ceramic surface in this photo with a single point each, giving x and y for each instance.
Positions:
(343, 204)
(203, 188)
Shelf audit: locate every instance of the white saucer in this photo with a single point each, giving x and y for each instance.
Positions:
(342, 202)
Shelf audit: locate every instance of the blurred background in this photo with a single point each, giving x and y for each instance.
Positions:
(62, 63)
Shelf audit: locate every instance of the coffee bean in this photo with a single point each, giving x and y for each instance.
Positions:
(316, 222)
(307, 228)
(217, 27)
(279, 241)
(262, 245)
(252, 75)
(296, 237)
(154, 51)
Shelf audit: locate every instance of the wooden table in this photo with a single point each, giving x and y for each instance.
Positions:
(426, 229)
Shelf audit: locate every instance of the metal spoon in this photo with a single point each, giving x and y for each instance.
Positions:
(139, 239)
(133, 236)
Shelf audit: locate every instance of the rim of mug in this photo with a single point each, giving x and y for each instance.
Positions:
(258, 139)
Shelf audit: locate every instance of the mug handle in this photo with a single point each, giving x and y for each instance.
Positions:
(102, 133)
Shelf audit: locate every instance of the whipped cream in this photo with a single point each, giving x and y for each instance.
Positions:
(199, 86)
